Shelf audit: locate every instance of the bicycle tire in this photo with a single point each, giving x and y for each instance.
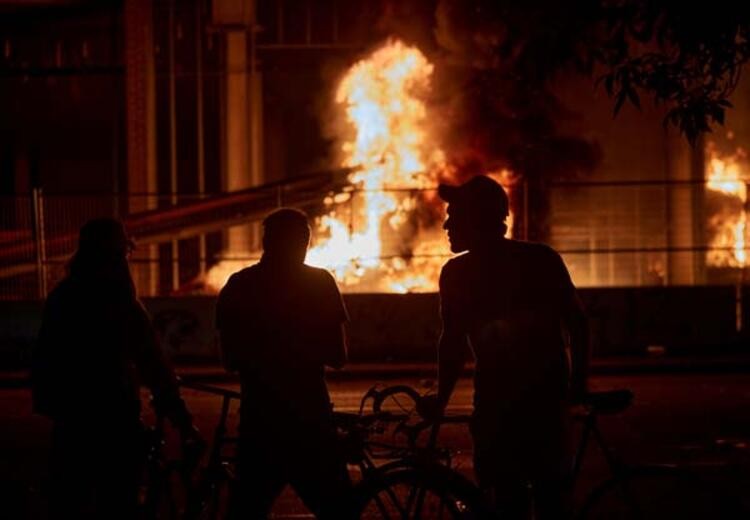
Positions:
(210, 500)
(159, 501)
(412, 493)
(396, 398)
(659, 492)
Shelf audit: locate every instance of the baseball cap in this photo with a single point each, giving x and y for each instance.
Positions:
(481, 195)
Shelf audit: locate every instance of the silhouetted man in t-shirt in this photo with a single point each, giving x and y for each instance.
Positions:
(514, 306)
(280, 322)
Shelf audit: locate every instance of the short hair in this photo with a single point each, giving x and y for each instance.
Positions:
(482, 199)
(285, 226)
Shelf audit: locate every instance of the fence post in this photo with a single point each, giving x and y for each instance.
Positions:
(173, 173)
(199, 122)
(740, 288)
(525, 209)
(37, 214)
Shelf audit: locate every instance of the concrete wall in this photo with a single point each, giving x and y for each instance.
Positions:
(384, 327)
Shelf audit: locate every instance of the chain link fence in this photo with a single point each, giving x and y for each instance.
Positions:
(610, 234)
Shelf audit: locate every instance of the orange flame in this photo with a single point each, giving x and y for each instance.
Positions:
(377, 243)
(725, 175)
(384, 232)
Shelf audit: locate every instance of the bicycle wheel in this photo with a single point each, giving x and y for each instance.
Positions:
(397, 399)
(210, 500)
(158, 499)
(411, 493)
(659, 492)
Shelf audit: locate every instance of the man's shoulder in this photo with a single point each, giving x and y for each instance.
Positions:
(318, 274)
(245, 275)
(239, 287)
(535, 250)
(457, 263)
(63, 294)
(542, 259)
(454, 271)
(60, 290)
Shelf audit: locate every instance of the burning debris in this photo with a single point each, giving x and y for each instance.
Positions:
(726, 182)
(387, 236)
(383, 233)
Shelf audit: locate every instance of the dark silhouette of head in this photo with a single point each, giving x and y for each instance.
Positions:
(102, 254)
(286, 236)
(477, 211)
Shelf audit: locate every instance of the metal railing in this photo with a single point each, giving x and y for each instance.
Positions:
(650, 233)
(39, 231)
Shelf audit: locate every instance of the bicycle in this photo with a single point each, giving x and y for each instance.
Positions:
(170, 489)
(210, 490)
(399, 478)
(166, 481)
(649, 491)
(414, 481)
(373, 463)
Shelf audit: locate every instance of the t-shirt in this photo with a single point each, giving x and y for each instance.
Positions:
(509, 299)
(272, 320)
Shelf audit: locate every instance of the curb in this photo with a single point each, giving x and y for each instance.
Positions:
(386, 371)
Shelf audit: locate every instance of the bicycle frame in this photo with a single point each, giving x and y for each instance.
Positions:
(591, 429)
(217, 468)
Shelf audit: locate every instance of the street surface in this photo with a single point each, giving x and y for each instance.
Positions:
(676, 418)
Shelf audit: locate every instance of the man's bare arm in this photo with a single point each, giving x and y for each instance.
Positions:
(330, 327)
(335, 344)
(452, 354)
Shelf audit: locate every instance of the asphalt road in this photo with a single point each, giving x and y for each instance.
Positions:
(688, 419)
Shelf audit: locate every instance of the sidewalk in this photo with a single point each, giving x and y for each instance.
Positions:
(605, 366)
(210, 372)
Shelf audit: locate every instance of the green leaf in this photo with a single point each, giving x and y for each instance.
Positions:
(633, 97)
(620, 100)
(718, 115)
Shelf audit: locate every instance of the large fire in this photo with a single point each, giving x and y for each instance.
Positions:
(386, 239)
(384, 232)
(725, 177)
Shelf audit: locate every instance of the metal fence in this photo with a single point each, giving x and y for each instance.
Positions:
(610, 234)
(624, 234)
(39, 233)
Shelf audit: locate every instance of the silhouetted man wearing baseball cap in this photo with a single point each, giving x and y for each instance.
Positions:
(514, 306)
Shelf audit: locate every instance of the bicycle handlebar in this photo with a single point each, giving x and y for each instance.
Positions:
(413, 432)
(348, 420)
(596, 403)
(216, 390)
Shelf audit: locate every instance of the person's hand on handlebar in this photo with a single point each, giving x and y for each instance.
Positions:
(430, 408)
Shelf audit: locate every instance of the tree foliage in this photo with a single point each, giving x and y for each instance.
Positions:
(687, 56)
